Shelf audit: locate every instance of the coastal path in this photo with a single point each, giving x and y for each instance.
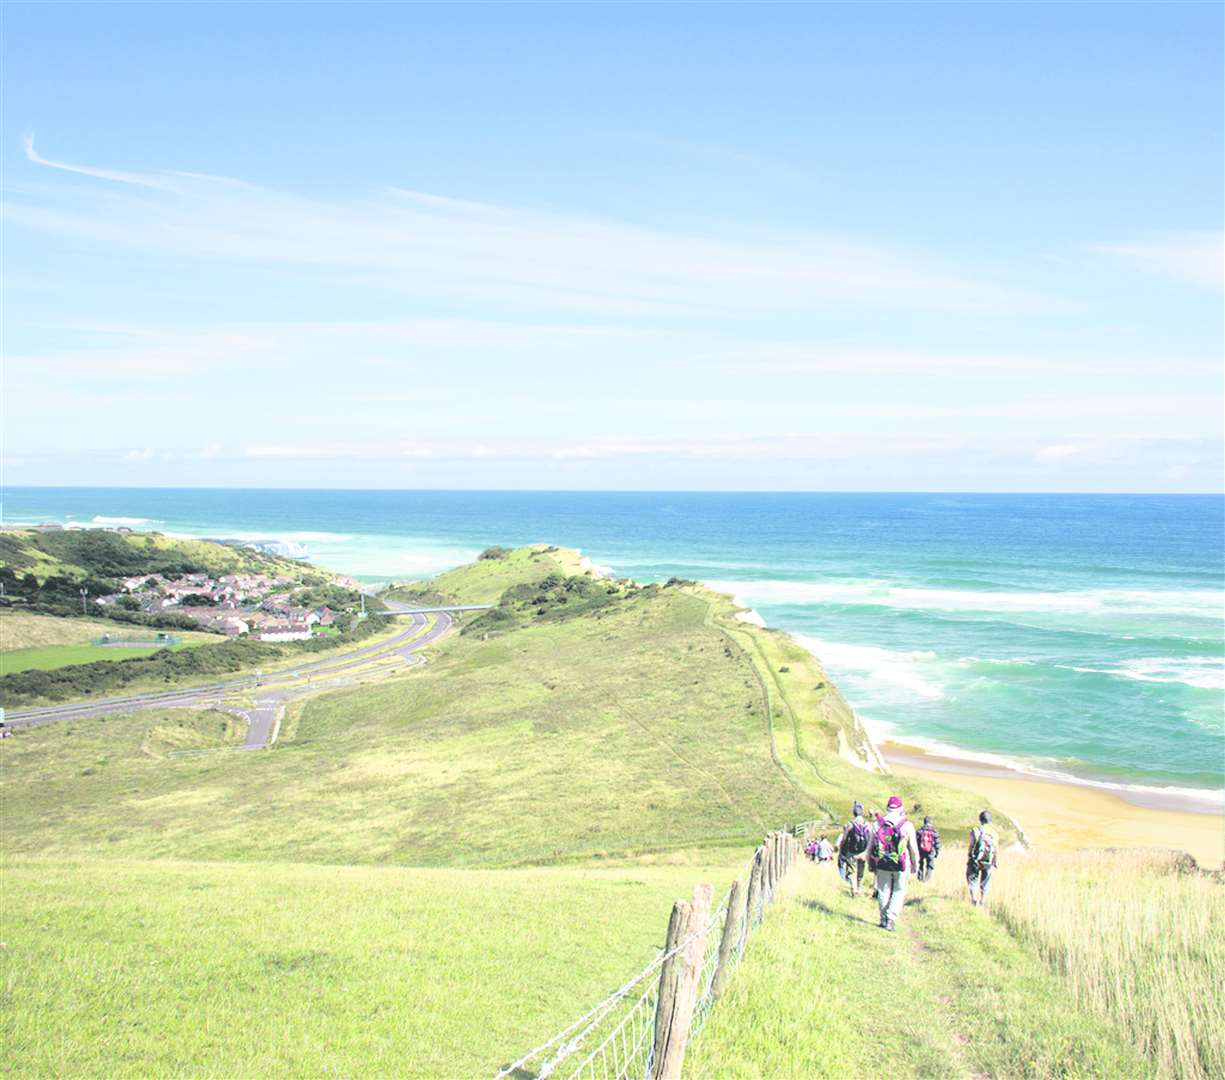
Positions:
(263, 717)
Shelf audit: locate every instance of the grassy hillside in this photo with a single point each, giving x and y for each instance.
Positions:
(642, 727)
(429, 874)
(104, 553)
(824, 993)
(1103, 964)
(24, 630)
(484, 581)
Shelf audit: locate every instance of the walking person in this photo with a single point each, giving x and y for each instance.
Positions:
(852, 847)
(982, 860)
(896, 854)
(929, 849)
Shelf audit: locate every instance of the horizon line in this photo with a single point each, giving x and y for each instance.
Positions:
(609, 491)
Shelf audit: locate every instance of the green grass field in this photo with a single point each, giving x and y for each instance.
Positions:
(218, 969)
(50, 657)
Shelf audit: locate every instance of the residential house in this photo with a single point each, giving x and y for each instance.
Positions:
(283, 630)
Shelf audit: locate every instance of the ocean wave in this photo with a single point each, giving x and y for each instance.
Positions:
(902, 669)
(299, 536)
(1204, 799)
(1205, 603)
(1201, 672)
(103, 519)
(433, 561)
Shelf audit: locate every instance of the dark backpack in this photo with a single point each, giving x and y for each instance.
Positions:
(889, 846)
(857, 839)
(927, 839)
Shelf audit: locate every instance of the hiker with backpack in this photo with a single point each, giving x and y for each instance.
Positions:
(853, 847)
(982, 860)
(895, 853)
(929, 849)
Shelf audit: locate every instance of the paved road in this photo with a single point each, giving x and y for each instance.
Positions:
(317, 673)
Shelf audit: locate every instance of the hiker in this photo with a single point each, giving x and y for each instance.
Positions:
(810, 849)
(825, 850)
(852, 847)
(984, 856)
(895, 853)
(929, 849)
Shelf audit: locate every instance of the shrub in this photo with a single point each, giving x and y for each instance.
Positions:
(494, 552)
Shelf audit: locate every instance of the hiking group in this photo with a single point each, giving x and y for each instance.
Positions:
(892, 848)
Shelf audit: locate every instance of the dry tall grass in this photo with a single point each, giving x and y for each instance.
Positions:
(1140, 936)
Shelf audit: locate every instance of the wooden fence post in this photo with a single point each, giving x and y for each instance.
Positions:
(678, 983)
(750, 907)
(731, 934)
(767, 882)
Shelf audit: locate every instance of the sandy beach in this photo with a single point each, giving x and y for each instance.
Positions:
(1063, 816)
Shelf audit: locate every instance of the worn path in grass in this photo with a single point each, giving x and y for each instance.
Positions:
(824, 992)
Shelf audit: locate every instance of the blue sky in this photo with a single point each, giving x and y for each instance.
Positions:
(559, 246)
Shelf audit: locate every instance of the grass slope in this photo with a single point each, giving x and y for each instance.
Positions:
(484, 581)
(196, 969)
(79, 553)
(23, 630)
(823, 992)
(642, 728)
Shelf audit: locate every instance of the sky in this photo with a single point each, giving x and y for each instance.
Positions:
(573, 246)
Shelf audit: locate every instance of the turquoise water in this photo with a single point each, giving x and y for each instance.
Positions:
(1074, 634)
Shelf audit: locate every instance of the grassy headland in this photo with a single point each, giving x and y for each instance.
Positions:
(448, 865)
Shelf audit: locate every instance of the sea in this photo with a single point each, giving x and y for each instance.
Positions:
(1070, 636)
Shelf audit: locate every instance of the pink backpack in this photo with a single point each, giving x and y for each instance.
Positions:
(889, 849)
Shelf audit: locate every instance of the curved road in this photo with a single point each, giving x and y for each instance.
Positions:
(404, 644)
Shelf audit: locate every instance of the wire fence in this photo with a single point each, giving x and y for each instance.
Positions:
(634, 1033)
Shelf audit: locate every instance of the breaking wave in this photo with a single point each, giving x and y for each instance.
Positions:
(908, 670)
(1205, 603)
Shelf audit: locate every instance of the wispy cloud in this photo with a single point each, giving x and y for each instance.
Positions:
(431, 244)
(1194, 257)
(137, 179)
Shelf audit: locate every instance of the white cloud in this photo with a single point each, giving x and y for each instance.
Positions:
(138, 179)
(1197, 258)
(433, 245)
(1058, 452)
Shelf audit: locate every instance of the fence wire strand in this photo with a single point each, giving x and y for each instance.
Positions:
(616, 1039)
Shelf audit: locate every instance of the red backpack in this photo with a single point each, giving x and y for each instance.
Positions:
(927, 839)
